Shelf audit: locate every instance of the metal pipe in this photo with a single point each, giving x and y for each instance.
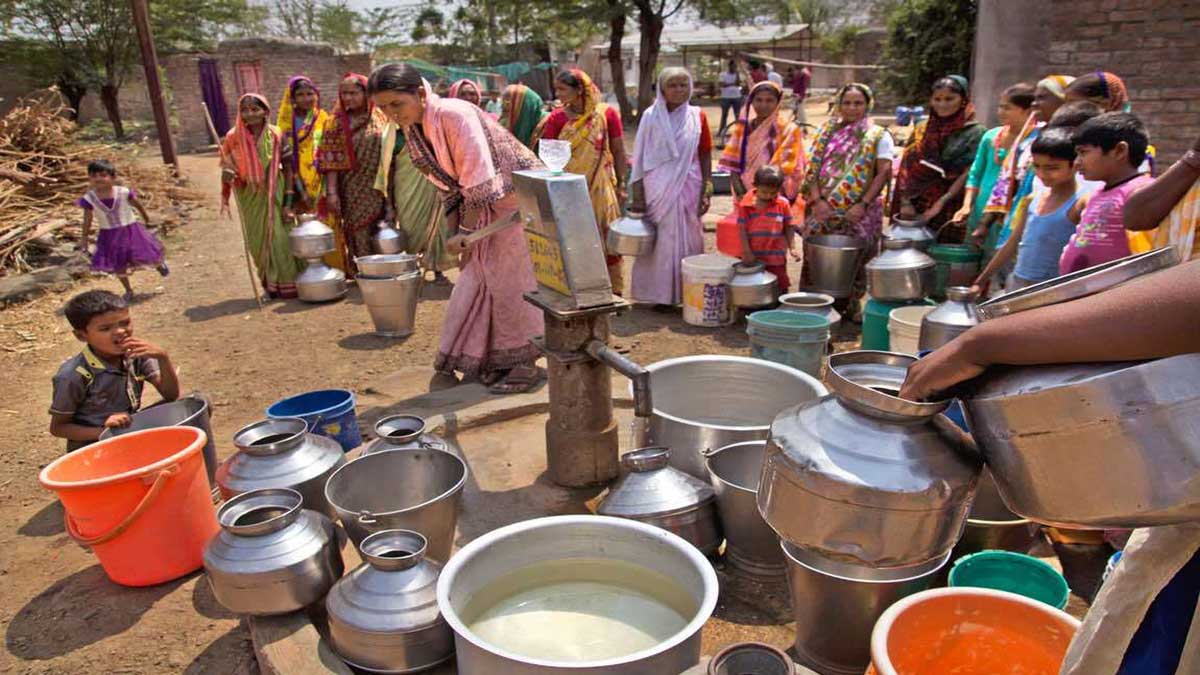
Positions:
(643, 405)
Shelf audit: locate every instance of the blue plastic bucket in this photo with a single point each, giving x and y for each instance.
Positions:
(796, 339)
(329, 413)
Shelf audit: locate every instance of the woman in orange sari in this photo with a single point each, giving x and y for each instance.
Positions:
(349, 156)
(762, 137)
(597, 151)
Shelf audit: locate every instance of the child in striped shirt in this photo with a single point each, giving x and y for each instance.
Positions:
(765, 223)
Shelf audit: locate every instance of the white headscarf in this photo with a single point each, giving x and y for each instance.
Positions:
(667, 136)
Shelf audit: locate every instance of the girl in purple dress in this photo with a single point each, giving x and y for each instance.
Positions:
(123, 242)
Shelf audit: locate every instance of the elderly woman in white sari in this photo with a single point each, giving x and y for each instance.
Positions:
(672, 166)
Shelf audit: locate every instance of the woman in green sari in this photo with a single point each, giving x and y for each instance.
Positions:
(413, 203)
(256, 169)
(521, 113)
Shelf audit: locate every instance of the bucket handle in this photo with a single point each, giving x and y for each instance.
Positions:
(365, 518)
(160, 481)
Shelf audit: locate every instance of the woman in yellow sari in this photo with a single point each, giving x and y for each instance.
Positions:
(302, 122)
(762, 137)
(597, 151)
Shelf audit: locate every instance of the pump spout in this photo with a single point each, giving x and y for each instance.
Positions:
(643, 406)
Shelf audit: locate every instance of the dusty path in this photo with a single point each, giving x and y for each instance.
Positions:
(58, 612)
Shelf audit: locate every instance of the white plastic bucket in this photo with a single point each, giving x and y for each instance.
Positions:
(904, 328)
(706, 280)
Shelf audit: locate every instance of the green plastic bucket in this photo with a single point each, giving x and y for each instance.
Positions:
(957, 265)
(796, 339)
(875, 322)
(1013, 572)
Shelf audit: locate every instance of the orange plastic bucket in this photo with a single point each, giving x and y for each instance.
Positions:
(963, 631)
(141, 501)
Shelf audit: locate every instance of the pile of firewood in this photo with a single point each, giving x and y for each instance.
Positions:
(43, 170)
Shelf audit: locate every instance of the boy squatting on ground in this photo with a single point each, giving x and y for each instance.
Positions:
(101, 387)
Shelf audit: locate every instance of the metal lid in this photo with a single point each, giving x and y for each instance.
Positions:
(897, 244)
(749, 268)
(869, 381)
(652, 487)
(958, 310)
(901, 254)
(1080, 284)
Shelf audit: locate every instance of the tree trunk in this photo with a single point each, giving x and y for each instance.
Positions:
(108, 96)
(651, 25)
(74, 94)
(616, 33)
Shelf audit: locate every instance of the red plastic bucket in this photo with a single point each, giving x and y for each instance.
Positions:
(141, 501)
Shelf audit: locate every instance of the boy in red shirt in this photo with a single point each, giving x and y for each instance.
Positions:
(765, 223)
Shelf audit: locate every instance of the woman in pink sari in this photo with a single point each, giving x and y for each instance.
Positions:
(672, 164)
(470, 158)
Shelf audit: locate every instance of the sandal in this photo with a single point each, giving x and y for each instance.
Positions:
(520, 380)
(491, 377)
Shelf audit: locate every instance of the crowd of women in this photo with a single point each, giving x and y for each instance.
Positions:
(441, 167)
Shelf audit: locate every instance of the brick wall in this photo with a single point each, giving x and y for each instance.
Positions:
(1150, 44)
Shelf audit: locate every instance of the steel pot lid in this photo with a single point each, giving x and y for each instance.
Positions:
(753, 275)
(653, 488)
(632, 225)
(1080, 284)
(869, 381)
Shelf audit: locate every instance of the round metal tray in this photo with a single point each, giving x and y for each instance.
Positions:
(1079, 284)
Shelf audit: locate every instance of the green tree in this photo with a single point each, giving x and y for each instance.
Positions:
(91, 45)
(927, 39)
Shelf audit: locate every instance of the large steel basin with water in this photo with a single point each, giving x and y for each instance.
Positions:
(702, 403)
(482, 564)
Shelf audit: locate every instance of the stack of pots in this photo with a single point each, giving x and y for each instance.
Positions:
(390, 285)
(869, 493)
(280, 453)
(751, 546)
(912, 230)
(901, 275)
(311, 240)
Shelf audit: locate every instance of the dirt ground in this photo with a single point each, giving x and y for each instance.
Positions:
(58, 612)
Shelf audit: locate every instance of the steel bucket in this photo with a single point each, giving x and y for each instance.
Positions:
(392, 302)
(836, 606)
(187, 411)
(750, 544)
(707, 402)
(415, 489)
(832, 262)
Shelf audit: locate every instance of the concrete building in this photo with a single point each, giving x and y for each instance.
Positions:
(1150, 44)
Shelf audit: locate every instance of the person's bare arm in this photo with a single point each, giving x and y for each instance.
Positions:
(620, 165)
(1148, 206)
(61, 426)
(87, 230)
(940, 205)
(1150, 318)
(166, 380)
(133, 201)
(705, 180)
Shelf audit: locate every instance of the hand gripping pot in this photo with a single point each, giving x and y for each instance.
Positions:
(864, 477)
(271, 556)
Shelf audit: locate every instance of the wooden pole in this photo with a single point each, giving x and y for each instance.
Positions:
(212, 129)
(141, 19)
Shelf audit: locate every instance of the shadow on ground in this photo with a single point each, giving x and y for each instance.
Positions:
(45, 523)
(77, 611)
